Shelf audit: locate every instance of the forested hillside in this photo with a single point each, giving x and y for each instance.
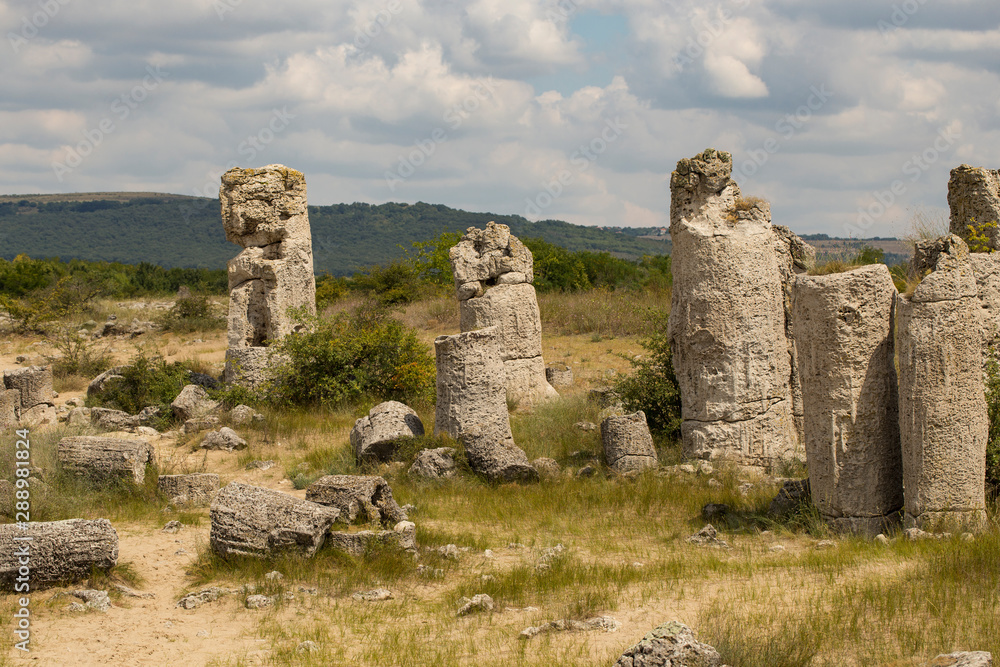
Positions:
(179, 231)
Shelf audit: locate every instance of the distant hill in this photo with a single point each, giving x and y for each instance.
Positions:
(182, 231)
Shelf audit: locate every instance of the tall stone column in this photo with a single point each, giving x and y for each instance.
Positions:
(493, 274)
(264, 211)
(843, 328)
(974, 199)
(727, 320)
(943, 425)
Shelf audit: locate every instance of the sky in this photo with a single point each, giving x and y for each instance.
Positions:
(847, 115)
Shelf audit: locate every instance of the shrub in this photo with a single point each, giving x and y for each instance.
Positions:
(978, 237)
(192, 313)
(329, 290)
(397, 283)
(652, 386)
(78, 355)
(146, 381)
(353, 356)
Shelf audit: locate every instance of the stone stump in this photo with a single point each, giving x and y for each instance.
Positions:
(559, 375)
(60, 551)
(942, 407)
(727, 320)
(34, 383)
(472, 404)
(261, 523)
(628, 445)
(843, 326)
(377, 436)
(103, 459)
(264, 211)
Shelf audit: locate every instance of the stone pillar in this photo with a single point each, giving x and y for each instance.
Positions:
(493, 274)
(727, 321)
(943, 425)
(472, 404)
(628, 445)
(843, 326)
(974, 199)
(264, 211)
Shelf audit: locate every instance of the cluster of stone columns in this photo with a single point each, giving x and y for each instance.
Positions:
(264, 211)
(884, 391)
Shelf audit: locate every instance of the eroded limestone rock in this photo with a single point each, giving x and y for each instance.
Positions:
(628, 445)
(103, 459)
(472, 404)
(10, 408)
(192, 403)
(402, 536)
(377, 436)
(360, 498)
(670, 645)
(197, 489)
(974, 199)
(727, 321)
(264, 211)
(61, 551)
(34, 383)
(942, 407)
(843, 324)
(434, 464)
(252, 521)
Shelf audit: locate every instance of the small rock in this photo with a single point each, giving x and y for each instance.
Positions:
(258, 602)
(76, 606)
(307, 647)
(488, 554)
(705, 468)
(792, 494)
(968, 537)
(776, 548)
(449, 551)
(547, 468)
(202, 633)
(708, 537)
(586, 426)
(195, 600)
(244, 415)
(173, 527)
(274, 575)
(132, 593)
(260, 465)
(714, 511)
(825, 544)
(687, 468)
(714, 483)
(98, 600)
(225, 438)
(478, 603)
(586, 471)
(881, 539)
(377, 595)
(963, 659)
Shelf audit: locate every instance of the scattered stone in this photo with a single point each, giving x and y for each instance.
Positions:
(585, 426)
(377, 595)
(260, 465)
(963, 659)
(132, 593)
(61, 551)
(34, 384)
(586, 471)
(225, 439)
(112, 420)
(917, 535)
(198, 489)
(792, 494)
(403, 536)
(776, 548)
(173, 527)
(201, 424)
(195, 600)
(102, 459)
(252, 521)
(449, 551)
(39, 415)
(377, 436)
(687, 468)
(605, 397)
(559, 375)
(547, 468)
(823, 545)
(202, 634)
(359, 498)
(434, 464)
(258, 602)
(98, 384)
(307, 646)
(76, 606)
(605, 623)
(671, 644)
(714, 511)
(98, 600)
(714, 483)
(942, 407)
(244, 415)
(471, 406)
(192, 403)
(478, 603)
(708, 537)
(881, 539)
(628, 445)
(274, 575)
(730, 351)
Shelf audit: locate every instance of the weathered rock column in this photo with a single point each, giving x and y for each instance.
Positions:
(493, 273)
(942, 408)
(843, 328)
(727, 320)
(974, 199)
(264, 211)
(472, 404)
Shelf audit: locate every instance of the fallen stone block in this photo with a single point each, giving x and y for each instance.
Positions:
(198, 489)
(192, 402)
(377, 436)
(252, 521)
(10, 408)
(102, 459)
(225, 439)
(359, 498)
(34, 383)
(434, 464)
(402, 536)
(60, 551)
(112, 420)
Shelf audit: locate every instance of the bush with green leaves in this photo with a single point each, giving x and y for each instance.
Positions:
(351, 357)
(652, 386)
(79, 355)
(192, 313)
(145, 381)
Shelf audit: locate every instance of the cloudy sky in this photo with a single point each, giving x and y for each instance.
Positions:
(846, 114)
